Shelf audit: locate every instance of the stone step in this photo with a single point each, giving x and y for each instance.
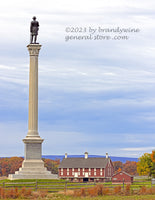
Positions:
(33, 169)
(33, 172)
(32, 176)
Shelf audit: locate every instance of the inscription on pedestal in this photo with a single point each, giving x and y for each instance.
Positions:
(32, 151)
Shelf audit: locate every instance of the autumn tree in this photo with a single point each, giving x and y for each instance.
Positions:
(153, 164)
(10, 165)
(144, 164)
(130, 167)
(118, 165)
(52, 165)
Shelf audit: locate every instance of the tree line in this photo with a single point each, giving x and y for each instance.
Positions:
(129, 166)
(144, 166)
(12, 164)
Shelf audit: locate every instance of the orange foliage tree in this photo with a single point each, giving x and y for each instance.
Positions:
(118, 166)
(130, 167)
(10, 165)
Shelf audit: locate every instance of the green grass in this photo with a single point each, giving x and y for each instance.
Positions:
(135, 197)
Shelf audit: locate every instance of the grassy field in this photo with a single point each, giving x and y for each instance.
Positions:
(114, 197)
(63, 197)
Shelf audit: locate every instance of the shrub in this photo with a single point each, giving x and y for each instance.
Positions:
(117, 190)
(77, 193)
(83, 192)
(2, 193)
(16, 193)
(105, 191)
(143, 190)
(127, 189)
(152, 190)
(35, 195)
(99, 189)
(92, 192)
(10, 194)
(23, 192)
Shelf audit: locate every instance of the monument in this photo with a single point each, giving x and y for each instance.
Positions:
(33, 165)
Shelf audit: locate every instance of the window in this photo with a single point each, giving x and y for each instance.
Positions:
(101, 173)
(94, 169)
(67, 169)
(67, 173)
(83, 169)
(94, 173)
(61, 173)
(73, 169)
(78, 169)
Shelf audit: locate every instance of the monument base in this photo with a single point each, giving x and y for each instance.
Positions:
(32, 169)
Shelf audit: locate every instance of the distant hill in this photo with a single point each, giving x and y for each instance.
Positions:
(113, 158)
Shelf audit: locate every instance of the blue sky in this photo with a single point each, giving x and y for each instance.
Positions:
(95, 96)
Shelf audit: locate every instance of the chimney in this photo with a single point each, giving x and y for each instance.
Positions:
(86, 155)
(65, 155)
(106, 155)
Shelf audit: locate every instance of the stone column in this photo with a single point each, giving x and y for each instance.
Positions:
(33, 90)
(33, 166)
(33, 141)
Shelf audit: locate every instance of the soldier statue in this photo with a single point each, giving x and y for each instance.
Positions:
(34, 30)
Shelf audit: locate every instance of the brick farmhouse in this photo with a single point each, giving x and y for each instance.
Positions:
(121, 177)
(86, 168)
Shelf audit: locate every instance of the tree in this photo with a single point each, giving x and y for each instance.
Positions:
(10, 165)
(153, 164)
(118, 165)
(130, 167)
(144, 165)
(52, 165)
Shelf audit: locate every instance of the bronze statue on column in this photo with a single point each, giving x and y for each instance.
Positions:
(34, 30)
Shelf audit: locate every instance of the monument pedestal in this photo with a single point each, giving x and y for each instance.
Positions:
(33, 166)
(32, 169)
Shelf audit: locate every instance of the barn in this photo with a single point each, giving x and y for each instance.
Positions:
(121, 177)
(84, 169)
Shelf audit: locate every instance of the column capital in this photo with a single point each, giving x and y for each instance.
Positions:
(34, 49)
